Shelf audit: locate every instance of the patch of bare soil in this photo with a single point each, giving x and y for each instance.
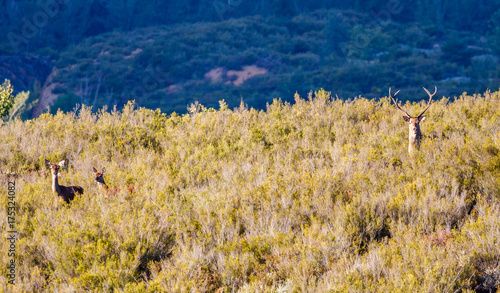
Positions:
(215, 75)
(172, 89)
(247, 73)
(47, 98)
(133, 54)
(235, 77)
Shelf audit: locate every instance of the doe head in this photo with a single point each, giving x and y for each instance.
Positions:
(54, 168)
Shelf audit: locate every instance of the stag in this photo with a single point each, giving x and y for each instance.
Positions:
(414, 134)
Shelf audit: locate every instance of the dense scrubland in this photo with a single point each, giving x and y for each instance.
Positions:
(318, 196)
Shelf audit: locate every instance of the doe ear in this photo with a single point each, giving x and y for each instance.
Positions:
(47, 163)
(62, 163)
(420, 119)
(103, 170)
(406, 118)
(94, 169)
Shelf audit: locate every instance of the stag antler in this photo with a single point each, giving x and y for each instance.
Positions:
(396, 102)
(430, 100)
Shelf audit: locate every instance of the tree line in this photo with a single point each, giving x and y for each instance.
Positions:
(29, 25)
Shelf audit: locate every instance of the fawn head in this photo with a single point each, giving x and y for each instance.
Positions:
(99, 175)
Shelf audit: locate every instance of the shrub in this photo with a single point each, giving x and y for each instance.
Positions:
(319, 195)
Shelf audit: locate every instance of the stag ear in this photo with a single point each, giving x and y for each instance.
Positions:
(94, 169)
(406, 118)
(421, 118)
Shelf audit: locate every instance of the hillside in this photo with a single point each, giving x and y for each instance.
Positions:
(28, 26)
(318, 196)
(259, 58)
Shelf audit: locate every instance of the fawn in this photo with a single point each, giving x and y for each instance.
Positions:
(109, 190)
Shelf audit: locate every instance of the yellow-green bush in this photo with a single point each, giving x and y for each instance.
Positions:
(318, 196)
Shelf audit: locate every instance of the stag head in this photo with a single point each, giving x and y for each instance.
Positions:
(414, 134)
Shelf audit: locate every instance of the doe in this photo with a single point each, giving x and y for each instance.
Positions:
(65, 192)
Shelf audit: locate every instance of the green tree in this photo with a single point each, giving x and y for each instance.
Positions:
(6, 98)
(336, 32)
(494, 34)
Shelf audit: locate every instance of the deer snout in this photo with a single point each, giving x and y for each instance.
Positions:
(54, 170)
